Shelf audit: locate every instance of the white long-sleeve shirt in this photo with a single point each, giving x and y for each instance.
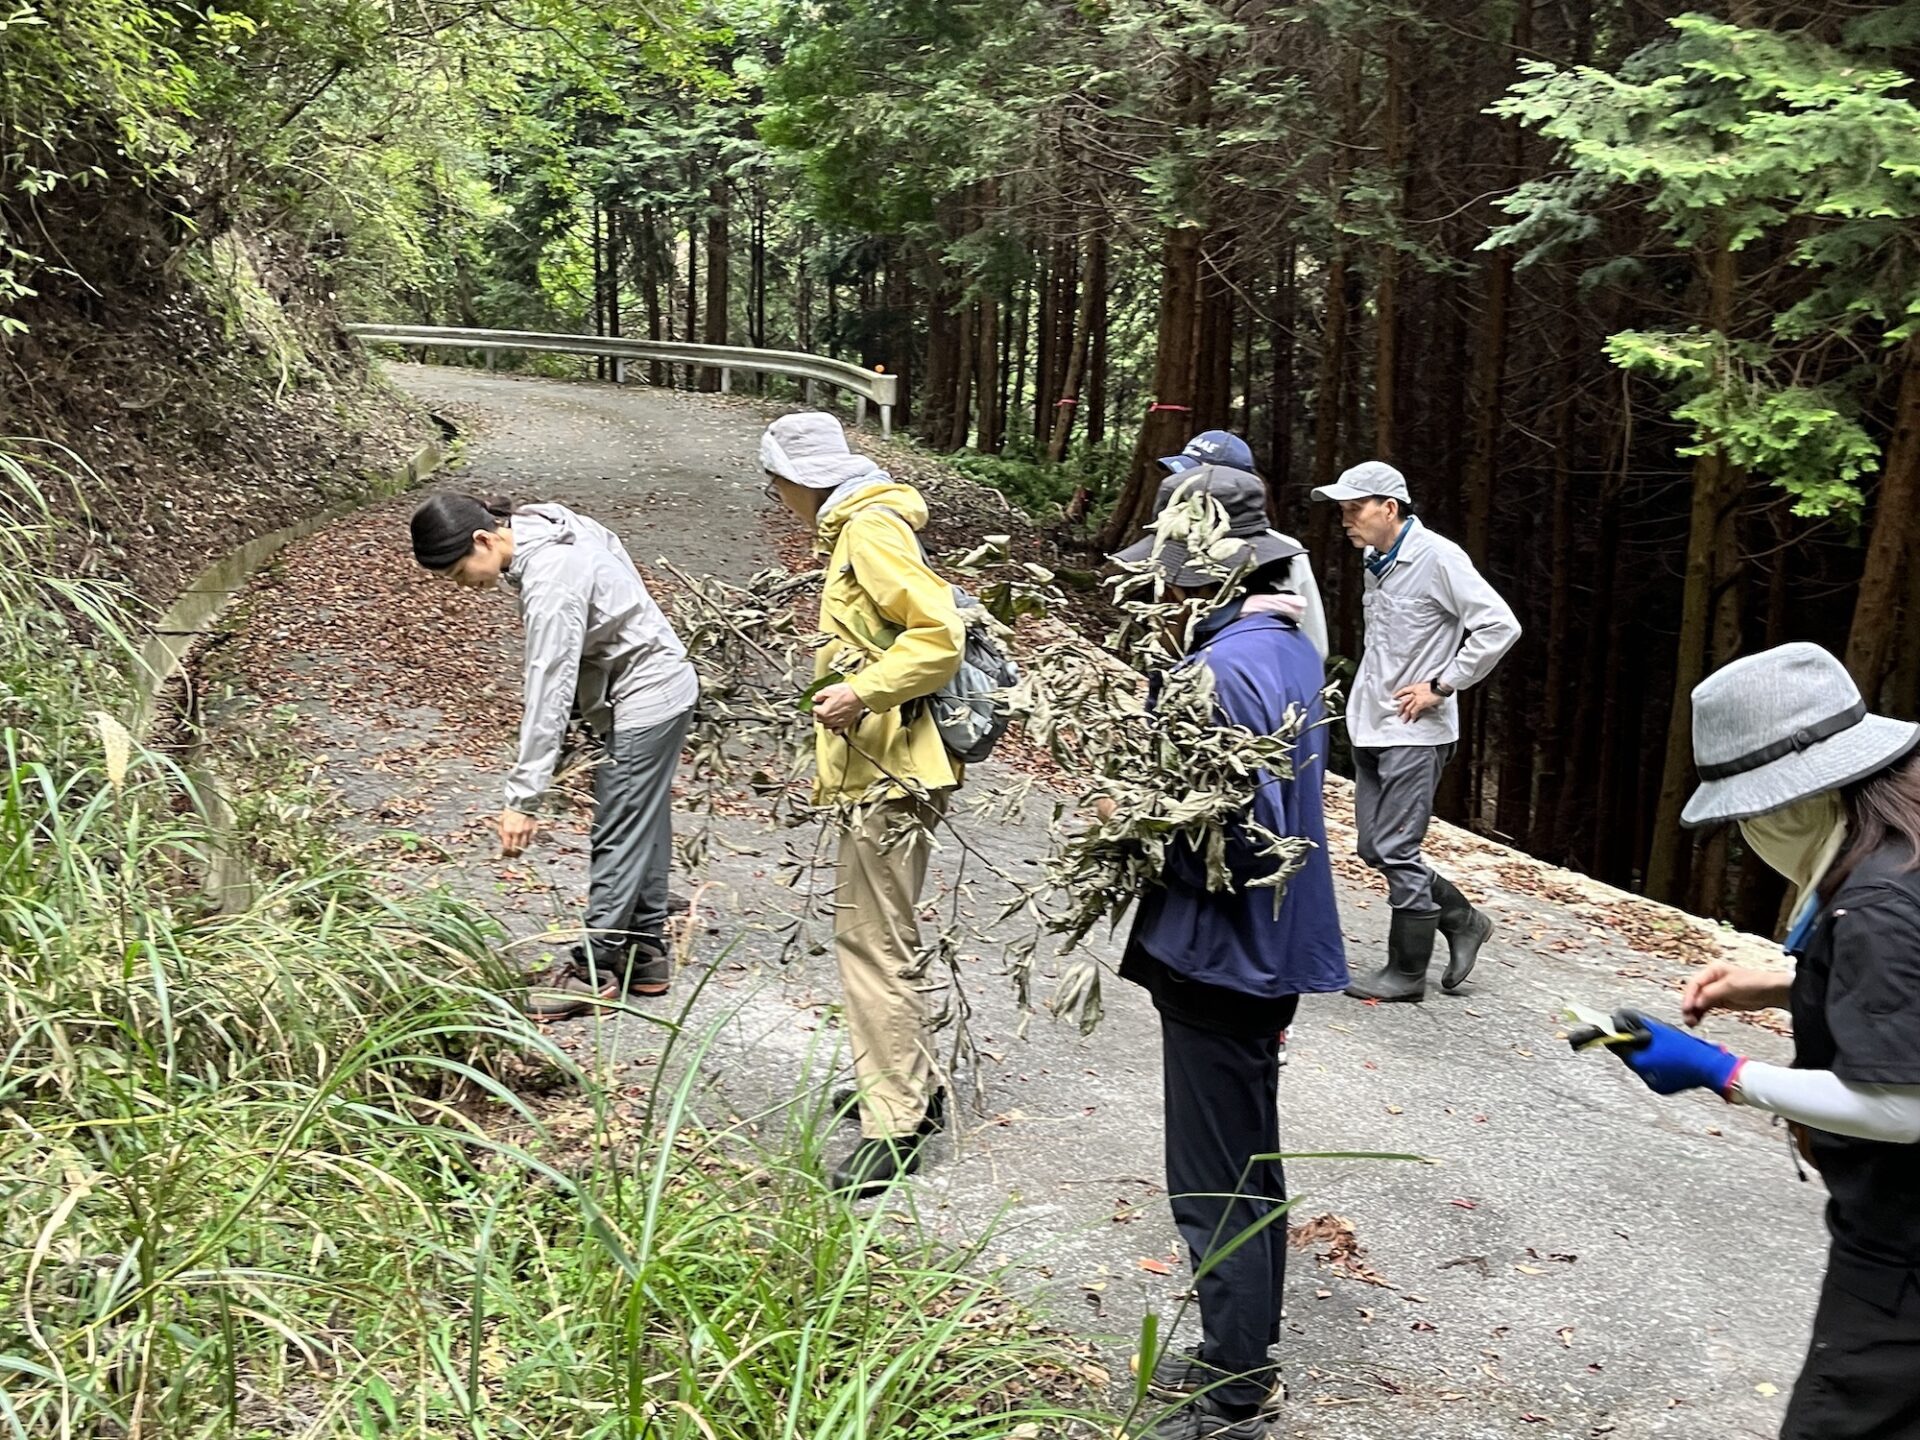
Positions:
(1431, 616)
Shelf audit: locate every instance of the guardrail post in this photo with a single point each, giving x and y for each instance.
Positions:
(886, 422)
(619, 370)
(492, 355)
(726, 380)
(812, 394)
(859, 410)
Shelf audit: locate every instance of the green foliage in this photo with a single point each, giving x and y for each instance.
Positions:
(1730, 136)
(1041, 489)
(1805, 437)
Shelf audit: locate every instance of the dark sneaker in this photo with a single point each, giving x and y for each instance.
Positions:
(649, 971)
(679, 905)
(877, 1163)
(1199, 1420)
(1178, 1375)
(846, 1105)
(564, 993)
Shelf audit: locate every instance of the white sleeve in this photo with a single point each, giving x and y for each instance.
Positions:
(556, 625)
(1823, 1100)
(1491, 626)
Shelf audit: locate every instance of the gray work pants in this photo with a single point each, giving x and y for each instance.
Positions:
(632, 838)
(1393, 790)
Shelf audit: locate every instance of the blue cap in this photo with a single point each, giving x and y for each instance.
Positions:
(1212, 447)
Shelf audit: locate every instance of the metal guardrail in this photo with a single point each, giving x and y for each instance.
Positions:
(866, 385)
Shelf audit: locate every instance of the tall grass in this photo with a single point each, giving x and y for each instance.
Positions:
(280, 1172)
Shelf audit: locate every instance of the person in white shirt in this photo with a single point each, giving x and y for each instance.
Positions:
(1434, 627)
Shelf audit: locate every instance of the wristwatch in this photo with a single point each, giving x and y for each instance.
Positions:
(1440, 687)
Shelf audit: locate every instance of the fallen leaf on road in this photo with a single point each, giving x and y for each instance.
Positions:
(1767, 1387)
(1156, 1267)
(1565, 1332)
(1343, 1251)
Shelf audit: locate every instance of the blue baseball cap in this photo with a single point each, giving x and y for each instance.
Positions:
(1212, 447)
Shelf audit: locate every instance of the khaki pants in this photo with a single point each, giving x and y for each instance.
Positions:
(883, 865)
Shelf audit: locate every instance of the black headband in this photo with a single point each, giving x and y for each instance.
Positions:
(1801, 739)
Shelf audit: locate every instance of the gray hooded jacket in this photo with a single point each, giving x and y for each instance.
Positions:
(592, 630)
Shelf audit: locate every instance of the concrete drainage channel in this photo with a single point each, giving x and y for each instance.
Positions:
(169, 651)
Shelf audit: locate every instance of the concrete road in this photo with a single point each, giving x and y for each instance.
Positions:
(1580, 1258)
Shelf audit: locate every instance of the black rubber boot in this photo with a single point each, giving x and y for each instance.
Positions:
(1466, 929)
(1409, 952)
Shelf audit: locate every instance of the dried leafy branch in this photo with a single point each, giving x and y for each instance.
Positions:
(1175, 774)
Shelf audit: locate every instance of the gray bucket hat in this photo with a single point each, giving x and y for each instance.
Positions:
(1243, 496)
(1774, 728)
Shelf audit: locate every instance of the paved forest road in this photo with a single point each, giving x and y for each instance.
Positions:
(1583, 1259)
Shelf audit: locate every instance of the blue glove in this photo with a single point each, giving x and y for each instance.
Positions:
(1669, 1059)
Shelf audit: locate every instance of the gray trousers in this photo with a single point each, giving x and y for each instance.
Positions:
(1393, 790)
(632, 838)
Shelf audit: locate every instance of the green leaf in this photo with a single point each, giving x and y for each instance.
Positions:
(832, 677)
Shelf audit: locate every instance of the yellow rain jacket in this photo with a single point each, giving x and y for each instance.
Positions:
(894, 633)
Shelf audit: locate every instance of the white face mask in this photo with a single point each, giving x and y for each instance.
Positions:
(1800, 841)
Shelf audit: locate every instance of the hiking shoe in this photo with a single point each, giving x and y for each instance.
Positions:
(564, 992)
(1177, 1375)
(846, 1105)
(679, 905)
(1286, 1036)
(877, 1163)
(1198, 1419)
(649, 971)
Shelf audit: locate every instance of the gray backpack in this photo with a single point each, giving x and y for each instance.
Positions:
(971, 710)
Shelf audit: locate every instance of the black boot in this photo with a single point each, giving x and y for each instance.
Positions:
(1409, 951)
(1466, 929)
(877, 1163)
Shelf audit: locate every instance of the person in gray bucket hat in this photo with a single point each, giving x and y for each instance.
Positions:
(1828, 795)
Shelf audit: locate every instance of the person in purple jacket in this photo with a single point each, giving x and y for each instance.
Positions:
(1226, 970)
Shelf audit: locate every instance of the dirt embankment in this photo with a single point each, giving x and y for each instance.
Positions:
(179, 410)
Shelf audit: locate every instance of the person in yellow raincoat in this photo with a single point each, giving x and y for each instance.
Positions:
(893, 636)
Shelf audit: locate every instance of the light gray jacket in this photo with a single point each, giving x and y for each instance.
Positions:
(1430, 617)
(592, 630)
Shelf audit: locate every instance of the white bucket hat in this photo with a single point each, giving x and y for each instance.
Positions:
(1774, 728)
(809, 448)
